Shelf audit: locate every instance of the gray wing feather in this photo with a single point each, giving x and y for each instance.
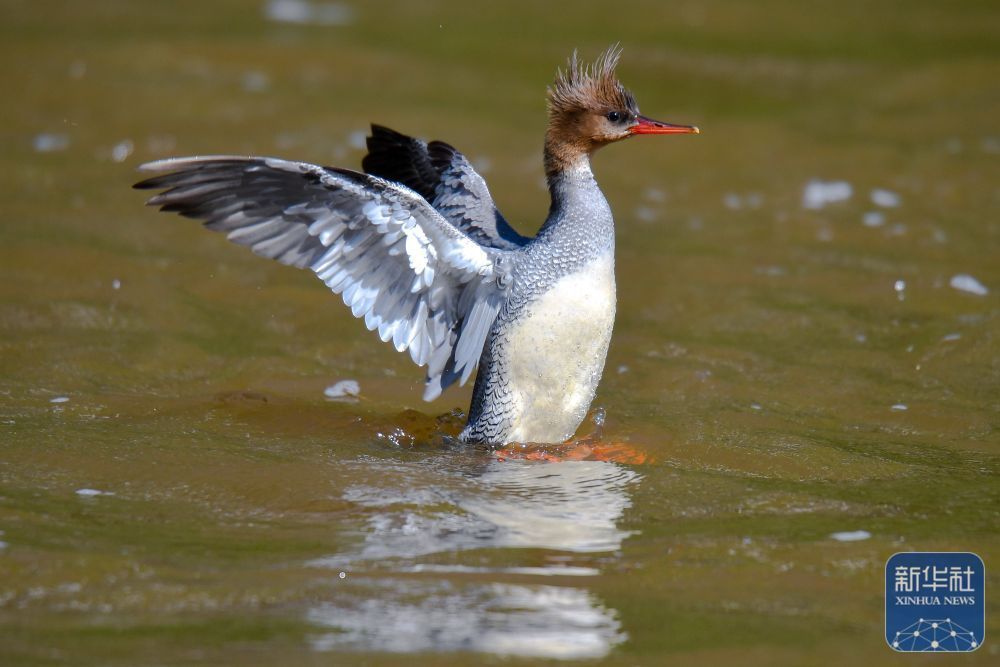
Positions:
(416, 279)
(463, 197)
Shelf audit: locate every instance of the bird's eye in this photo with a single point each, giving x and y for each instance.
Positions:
(615, 116)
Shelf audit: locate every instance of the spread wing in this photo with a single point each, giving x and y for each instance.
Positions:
(415, 278)
(445, 178)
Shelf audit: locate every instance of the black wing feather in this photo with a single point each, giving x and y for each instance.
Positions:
(446, 179)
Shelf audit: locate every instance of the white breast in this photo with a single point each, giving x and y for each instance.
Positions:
(556, 351)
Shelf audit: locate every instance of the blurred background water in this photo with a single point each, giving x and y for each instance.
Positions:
(806, 347)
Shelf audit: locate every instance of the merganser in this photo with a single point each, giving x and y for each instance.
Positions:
(416, 247)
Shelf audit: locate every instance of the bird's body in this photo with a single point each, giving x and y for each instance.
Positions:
(417, 248)
(545, 355)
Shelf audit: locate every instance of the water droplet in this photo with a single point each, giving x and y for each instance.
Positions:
(900, 287)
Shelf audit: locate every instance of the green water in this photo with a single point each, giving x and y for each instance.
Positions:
(764, 359)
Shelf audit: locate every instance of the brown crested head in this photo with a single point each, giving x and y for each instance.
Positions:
(590, 108)
(588, 105)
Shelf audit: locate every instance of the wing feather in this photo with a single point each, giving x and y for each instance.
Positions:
(446, 179)
(413, 277)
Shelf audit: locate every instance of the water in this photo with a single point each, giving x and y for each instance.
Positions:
(175, 488)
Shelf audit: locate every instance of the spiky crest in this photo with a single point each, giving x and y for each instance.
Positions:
(583, 86)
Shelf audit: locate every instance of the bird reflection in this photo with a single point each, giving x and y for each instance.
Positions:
(431, 568)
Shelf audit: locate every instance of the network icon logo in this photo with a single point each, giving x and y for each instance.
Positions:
(935, 602)
(935, 635)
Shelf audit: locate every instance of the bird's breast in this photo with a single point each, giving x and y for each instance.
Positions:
(556, 350)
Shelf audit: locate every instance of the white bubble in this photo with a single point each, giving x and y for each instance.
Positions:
(966, 283)
(873, 219)
(654, 194)
(50, 143)
(646, 213)
(885, 198)
(818, 194)
(255, 82)
(306, 12)
(121, 150)
(851, 536)
(345, 389)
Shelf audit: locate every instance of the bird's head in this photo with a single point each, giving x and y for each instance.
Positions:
(590, 108)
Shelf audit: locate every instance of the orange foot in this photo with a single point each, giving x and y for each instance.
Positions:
(582, 450)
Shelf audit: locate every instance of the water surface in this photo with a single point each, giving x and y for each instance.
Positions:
(806, 349)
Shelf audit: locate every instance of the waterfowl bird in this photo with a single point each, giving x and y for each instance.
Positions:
(416, 247)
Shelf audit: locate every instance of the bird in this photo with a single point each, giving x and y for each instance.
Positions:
(416, 247)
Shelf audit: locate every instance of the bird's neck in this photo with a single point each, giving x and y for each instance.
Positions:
(563, 154)
(579, 214)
